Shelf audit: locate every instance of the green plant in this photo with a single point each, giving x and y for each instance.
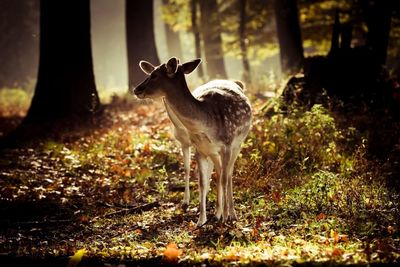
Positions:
(292, 145)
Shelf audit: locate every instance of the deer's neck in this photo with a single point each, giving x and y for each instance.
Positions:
(185, 106)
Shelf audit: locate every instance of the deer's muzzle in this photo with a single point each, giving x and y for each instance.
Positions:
(139, 91)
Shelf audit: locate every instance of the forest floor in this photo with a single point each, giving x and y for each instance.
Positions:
(110, 196)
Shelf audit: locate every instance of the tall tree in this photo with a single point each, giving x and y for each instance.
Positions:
(140, 38)
(210, 29)
(196, 34)
(173, 39)
(289, 35)
(242, 40)
(378, 19)
(65, 86)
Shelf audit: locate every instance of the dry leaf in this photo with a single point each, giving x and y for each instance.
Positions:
(337, 252)
(321, 216)
(343, 238)
(390, 229)
(76, 258)
(172, 253)
(127, 195)
(232, 256)
(276, 196)
(334, 235)
(84, 219)
(128, 173)
(147, 148)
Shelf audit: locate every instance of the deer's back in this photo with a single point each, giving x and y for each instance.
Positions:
(229, 110)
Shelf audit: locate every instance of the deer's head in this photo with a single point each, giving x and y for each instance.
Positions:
(163, 78)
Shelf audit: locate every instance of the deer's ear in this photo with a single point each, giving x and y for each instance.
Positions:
(172, 66)
(146, 67)
(188, 67)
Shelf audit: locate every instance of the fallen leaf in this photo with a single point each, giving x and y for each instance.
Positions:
(147, 148)
(127, 195)
(84, 219)
(335, 236)
(128, 173)
(337, 252)
(254, 233)
(76, 258)
(321, 216)
(172, 253)
(138, 231)
(276, 196)
(343, 238)
(232, 256)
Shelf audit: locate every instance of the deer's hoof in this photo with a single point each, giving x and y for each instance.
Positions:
(202, 220)
(218, 216)
(229, 218)
(200, 223)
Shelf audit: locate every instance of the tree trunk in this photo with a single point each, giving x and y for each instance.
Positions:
(335, 34)
(173, 40)
(65, 86)
(242, 40)
(289, 35)
(342, 35)
(140, 38)
(196, 33)
(210, 28)
(378, 18)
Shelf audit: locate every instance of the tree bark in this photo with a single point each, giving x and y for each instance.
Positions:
(378, 18)
(289, 35)
(65, 86)
(210, 28)
(242, 40)
(140, 38)
(342, 35)
(335, 34)
(196, 34)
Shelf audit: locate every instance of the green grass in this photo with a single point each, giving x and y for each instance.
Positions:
(305, 192)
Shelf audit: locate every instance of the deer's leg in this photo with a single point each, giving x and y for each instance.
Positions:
(210, 168)
(216, 159)
(231, 207)
(202, 166)
(226, 158)
(186, 161)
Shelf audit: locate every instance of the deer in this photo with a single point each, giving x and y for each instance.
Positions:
(215, 119)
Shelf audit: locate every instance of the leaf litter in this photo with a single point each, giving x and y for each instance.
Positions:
(115, 194)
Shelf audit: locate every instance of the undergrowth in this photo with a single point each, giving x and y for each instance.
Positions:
(305, 166)
(304, 188)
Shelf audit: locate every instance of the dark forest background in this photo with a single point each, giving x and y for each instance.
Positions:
(256, 40)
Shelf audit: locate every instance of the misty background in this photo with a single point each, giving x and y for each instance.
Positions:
(19, 45)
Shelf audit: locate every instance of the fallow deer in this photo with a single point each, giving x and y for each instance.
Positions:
(215, 119)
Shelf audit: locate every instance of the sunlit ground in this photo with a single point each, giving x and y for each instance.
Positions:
(304, 188)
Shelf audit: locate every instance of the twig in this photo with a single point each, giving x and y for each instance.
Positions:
(136, 209)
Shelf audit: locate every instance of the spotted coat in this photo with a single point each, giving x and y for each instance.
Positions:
(229, 108)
